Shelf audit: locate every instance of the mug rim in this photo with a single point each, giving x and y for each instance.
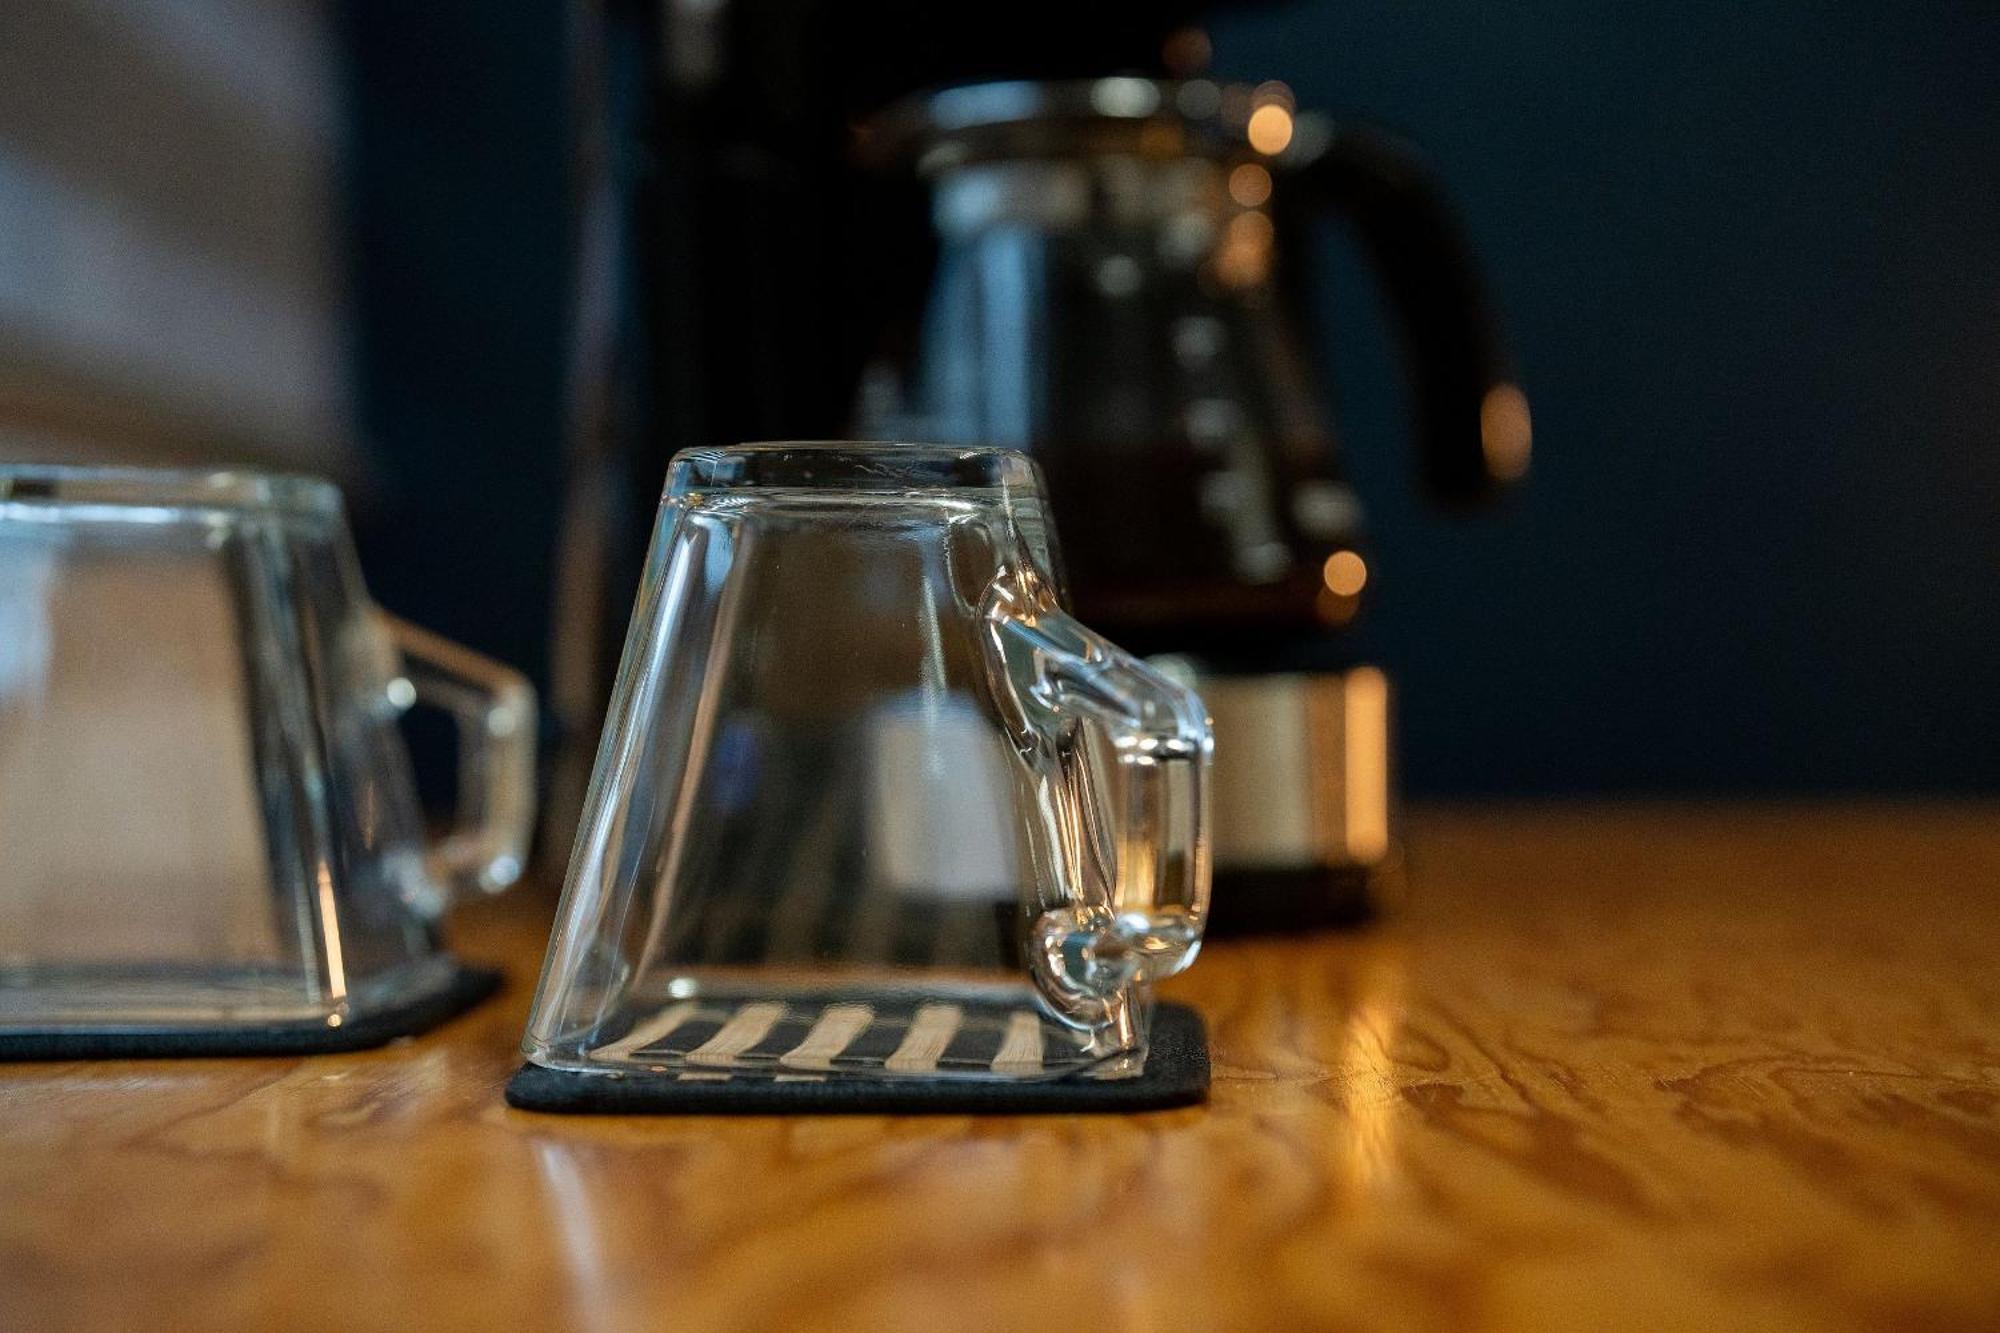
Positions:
(127, 486)
(853, 465)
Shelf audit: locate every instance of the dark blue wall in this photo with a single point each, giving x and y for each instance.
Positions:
(1751, 255)
(459, 216)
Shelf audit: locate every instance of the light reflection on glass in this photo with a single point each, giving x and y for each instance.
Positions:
(1270, 129)
(1346, 573)
(1506, 432)
(1250, 185)
(1125, 97)
(1365, 709)
(329, 924)
(1186, 51)
(1198, 99)
(1245, 257)
(1161, 138)
(1333, 609)
(1276, 91)
(27, 571)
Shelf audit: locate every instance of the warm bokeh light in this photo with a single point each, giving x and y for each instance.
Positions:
(1250, 185)
(1187, 51)
(1333, 609)
(1346, 573)
(1506, 433)
(1245, 257)
(1275, 91)
(1270, 129)
(1161, 138)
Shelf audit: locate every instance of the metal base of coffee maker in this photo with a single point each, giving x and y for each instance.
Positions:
(1304, 827)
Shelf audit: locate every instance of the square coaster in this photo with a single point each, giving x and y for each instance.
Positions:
(464, 988)
(1176, 1074)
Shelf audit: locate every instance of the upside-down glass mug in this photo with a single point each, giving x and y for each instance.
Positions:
(870, 803)
(207, 817)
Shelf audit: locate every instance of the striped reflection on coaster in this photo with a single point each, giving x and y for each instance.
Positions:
(766, 1057)
(838, 1026)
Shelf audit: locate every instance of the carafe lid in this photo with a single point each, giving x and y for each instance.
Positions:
(951, 127)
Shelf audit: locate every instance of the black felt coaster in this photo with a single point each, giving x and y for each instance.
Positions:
(1176, 1074)
(467, 987)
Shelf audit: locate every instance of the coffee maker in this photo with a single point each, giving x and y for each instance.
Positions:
(737, 265)
(1106, 271)
(1116, 291)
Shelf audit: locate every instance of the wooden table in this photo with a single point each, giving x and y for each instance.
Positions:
(1611, 1068)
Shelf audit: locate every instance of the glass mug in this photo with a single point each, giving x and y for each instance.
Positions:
(206, 806)
(869, 802)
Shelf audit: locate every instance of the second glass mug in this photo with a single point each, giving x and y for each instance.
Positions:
(869, 802)
(207, 811)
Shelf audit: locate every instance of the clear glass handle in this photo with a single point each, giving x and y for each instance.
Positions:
(1136, 856)
(494, 707)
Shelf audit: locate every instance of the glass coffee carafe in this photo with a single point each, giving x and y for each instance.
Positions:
(1115, 291)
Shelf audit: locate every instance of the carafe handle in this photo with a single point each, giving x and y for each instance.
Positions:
(1473, 430)
(1146, 921)
(494, 708)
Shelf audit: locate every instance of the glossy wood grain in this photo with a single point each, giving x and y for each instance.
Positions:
(1661, 1068)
